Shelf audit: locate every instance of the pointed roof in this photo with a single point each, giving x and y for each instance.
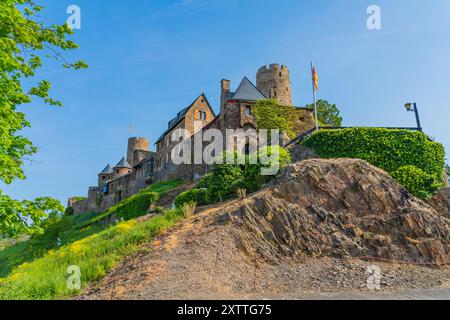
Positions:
(123, 163)
(180, 116)
(108, 169)
(247, 91)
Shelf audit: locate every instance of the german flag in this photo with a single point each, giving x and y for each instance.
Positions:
(315, 78)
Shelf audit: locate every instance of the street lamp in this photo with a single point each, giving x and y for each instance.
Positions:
(413, 107)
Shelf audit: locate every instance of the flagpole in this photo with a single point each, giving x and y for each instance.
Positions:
(314, 97)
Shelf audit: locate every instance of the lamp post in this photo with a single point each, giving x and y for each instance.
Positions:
(413, 107)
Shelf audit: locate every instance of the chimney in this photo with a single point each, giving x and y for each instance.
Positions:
(224, 92)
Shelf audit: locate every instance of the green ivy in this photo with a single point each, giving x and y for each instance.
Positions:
(419, 183)
(384, 148)
(270, 114)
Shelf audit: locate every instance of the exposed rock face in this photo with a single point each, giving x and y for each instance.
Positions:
(339, 208)
(441, 202)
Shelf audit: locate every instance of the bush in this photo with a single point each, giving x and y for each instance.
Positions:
(417, 182)
(135, 206)
(253, 179)
(384, 148)
(224, 181)
(197, 196)
(69, 211)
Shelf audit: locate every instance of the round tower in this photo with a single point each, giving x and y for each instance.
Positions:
(122, 168)
(135, 144)
(275, 83)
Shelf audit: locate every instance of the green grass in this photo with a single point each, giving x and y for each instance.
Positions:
(29, 268)
(164, 186)
(69, 229)
(95, 255)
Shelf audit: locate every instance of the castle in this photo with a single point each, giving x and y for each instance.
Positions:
(142, 167)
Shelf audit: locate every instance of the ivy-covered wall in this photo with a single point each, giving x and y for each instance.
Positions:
(270, 114)
(387, 149)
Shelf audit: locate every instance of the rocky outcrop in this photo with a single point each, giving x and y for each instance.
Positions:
(341, 208)
(441, 202)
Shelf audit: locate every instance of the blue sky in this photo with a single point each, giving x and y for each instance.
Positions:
(149, 59)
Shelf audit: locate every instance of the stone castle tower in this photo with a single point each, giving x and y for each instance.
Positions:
(134, 145)
(274, 82)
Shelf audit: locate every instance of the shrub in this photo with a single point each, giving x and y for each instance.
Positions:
(417, 182)
(197, 196)
(135, 206)
(253, 179)
(69, 211)
(384, 148)
(224, 181)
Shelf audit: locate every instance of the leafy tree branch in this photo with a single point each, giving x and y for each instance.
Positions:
(25, 41)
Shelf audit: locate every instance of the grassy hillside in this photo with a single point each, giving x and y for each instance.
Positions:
(37, 268)
(68, 230)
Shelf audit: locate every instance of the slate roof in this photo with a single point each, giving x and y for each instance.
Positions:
(123, 163)
(180, 116)
(107, 170)
(247, 91)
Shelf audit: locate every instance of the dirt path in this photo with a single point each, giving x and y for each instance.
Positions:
(200, 259)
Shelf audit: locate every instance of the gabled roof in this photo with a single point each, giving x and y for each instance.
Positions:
(123, 163)
(180, 116)
(247, 91)
(107, 170)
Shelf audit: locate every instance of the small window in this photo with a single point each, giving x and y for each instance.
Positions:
(248, 110)
(247, 149)
(202, 115)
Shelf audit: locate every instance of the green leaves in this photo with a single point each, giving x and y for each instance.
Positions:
(384, 148)
(224, 180)
(271, 115)
(197, 196)
(24, 41)
(328, 113)
(25, 217)
(419, 183)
